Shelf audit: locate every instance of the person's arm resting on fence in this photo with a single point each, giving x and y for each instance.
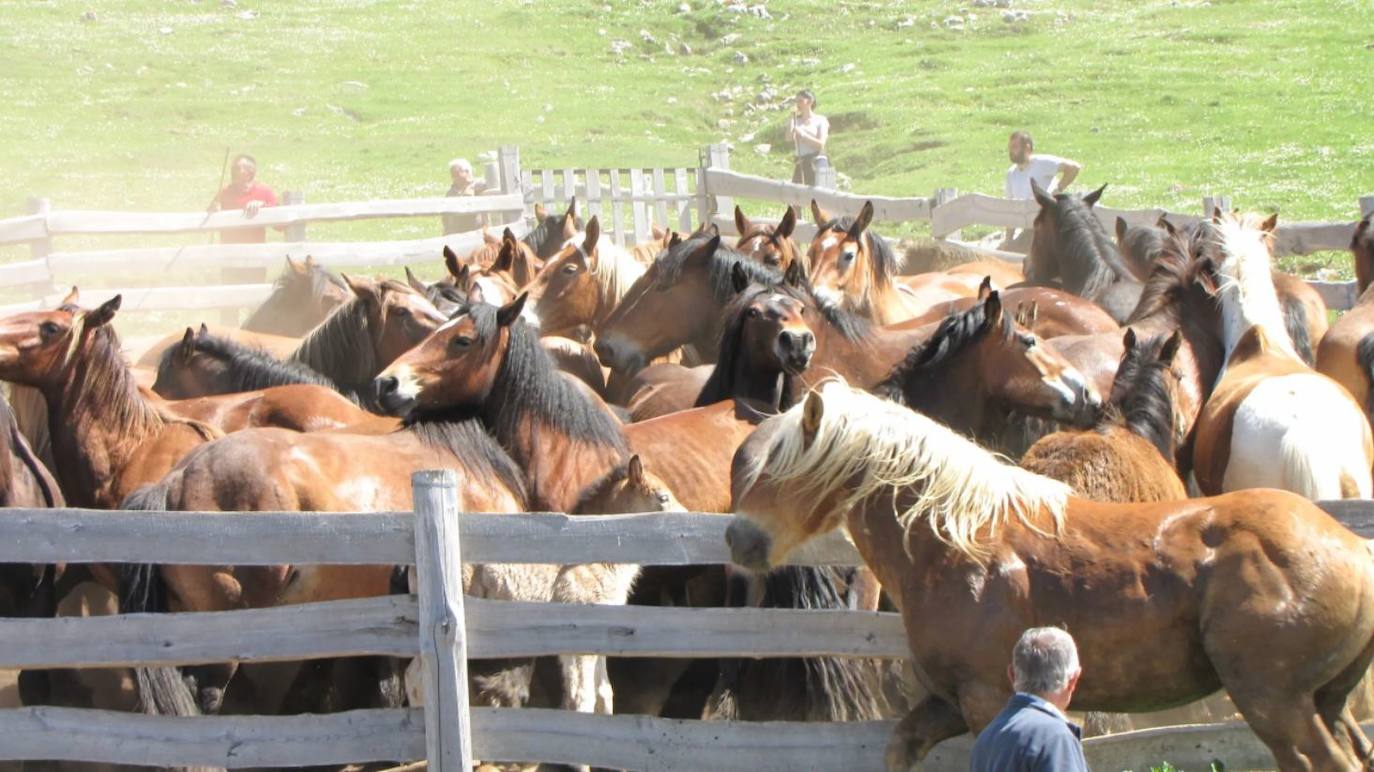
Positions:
(1068, 171)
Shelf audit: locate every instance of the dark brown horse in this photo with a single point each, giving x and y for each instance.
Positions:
(552, 231)
(771, 245)
(1346, 353)
(1166, 601)
(25, 590)
(302, 297)
(1070, 248)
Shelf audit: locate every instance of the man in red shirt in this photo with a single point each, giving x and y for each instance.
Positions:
(244, 192)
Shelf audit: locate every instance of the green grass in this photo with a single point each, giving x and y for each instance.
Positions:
(352, 99)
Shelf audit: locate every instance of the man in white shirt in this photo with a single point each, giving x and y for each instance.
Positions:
(1042, 167)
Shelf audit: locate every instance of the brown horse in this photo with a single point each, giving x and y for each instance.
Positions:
(302, 297)
(1272, 421)
(1139, 245)
(646, 252)
(1057, 313)
(25, 590)
(552, 231)
(1129, 454)
(771, 245)
(1166, 601)
(855, 269)
(1346, 353)
(580, 285)
(1071, 248)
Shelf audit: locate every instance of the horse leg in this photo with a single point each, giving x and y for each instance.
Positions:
(1294, 731)
(930, 722)
(605, 695)
(579, 682)
(1333, 703)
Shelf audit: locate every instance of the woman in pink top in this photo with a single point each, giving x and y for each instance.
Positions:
(808, 132)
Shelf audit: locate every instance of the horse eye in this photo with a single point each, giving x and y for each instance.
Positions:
(846, 256)
(752, 313)
(401, 311)
(570, 268)
(49, 329)
(462, 341)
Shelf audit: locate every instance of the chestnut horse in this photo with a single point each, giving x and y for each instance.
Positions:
(771, 245)
(580, 285)
(1071, 248)
(855, 269)
(302, 297)
(1346, 353)
(1166, 601)
(1272, 421)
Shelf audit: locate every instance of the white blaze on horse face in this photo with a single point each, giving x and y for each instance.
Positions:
(407, 385)
(530, 315)
(828, 243)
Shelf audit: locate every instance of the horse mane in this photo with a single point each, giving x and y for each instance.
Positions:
(719, 266)
(616, 270)
(340, 347)
(529, 383)
(248, 368)
(465, 437)
(1142, 398)
(1246, 282)
(884, 263)
(920, 366)
(866, 445)
(1175, 267)
(722, 385)
(1085, 249)
(104, 381)
(547, 234)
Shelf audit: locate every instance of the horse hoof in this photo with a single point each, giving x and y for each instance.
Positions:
(901, 754)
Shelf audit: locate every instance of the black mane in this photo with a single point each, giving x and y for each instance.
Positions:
(547, 235)
(730, 362)
(1142, 399)
(464, 436)
(958, 331)
(248, 368)
(1089, 262)
(720, 265)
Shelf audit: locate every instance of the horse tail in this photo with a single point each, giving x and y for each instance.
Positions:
(161, 690)
(1364, 356)
(1316, 461)
(1295, 321)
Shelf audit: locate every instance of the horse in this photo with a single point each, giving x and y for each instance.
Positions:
(1346, 352)
(1057, 313)
(302, 297)
(25, 590)
(552, 231)
(1071, 247)
(1128, 455)
(204, 363)
(1166, 601)
(854, 269)
(1139, 245)
(580, 285)
(1271, 420)
(512, 259)
(646, 251)
(771, 245)
(978, 366)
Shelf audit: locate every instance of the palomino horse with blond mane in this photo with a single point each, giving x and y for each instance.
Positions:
(1166, 601)
(1272, 421)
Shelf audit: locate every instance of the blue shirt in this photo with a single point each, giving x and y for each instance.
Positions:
(1029, 735)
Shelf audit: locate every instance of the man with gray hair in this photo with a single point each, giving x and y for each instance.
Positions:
(464, 184)
(1032, 733)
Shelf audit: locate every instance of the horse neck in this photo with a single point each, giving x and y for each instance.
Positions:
(1259, 307)
(744, 379)
(341, 347)
(863, 360)
(953, 394)
(97, 419)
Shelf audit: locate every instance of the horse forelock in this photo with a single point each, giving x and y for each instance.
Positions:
(866, 446)
(1246, 282)
(615, 271)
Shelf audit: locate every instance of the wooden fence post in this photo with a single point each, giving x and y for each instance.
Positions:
(1212, 203)
(443, 637)
(825, 174)
(295, 231)
(508, 164)
(42, 247)
(944, 196)
(713, 157)
(1366, 206)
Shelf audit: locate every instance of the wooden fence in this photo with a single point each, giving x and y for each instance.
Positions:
(444, 628)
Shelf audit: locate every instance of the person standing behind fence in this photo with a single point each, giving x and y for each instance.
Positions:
(463, 185)
(808, 131)
(1026, 164)
(246, 193)
(1031, 733)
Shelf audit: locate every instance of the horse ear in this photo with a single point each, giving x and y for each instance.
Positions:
(984, 288)
(293, 266)
(738, 278)
(505, 259)
(508, 235)
(787, 224)
(72, 298)
(310, 262)
(674, 239)
(1045, 199)
(203, 331)
(813, 410)
(572, 208)
(1271, 223)
(1170, 348)
(1120, 228)
(993, 306)
(1167, 226)
(451, 261)
(414, 282)
(706, 250)
(104, 312)
(362, 288)
(634, 472)
(1092, 198)
(795, 275)
(1216, 215)
(742, 224)
(861, 222)
(540, 212)
(511, 311)
(656, 233)
(487, 238)
(593, 236)
(819, 215)
(1129, 340)
(187, 347)
(475, 294)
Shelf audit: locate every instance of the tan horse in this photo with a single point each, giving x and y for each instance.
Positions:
(1346, 353)
(578, 287)
(855, 269)
(1260, 592)
(1272, 421)
(769, 244)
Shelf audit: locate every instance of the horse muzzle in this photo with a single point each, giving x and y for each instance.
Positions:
(619, 354)
(1085, 406)
(795, 350)
(389, 396)
(748, 544)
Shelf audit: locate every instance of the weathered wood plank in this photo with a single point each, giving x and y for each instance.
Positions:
(639, 207)
(17, 230)
(443, 634)
(593, 177)
(1338, 295)
(80, 734)
(618, 204)
(67, 222)
(24, 272)
(660, 216)
(683, 216)
(885, 208)
(389, 626)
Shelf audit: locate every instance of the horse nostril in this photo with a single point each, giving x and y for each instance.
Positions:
(387, 385)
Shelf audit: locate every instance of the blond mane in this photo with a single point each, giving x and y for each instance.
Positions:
(866, 446)
(615, 270)
(1246, 282)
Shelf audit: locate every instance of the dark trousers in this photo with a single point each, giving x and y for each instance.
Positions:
(804, 170)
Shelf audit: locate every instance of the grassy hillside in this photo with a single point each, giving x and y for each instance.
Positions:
(131, 103)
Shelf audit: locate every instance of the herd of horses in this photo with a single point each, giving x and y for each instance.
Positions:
(1153, 390)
